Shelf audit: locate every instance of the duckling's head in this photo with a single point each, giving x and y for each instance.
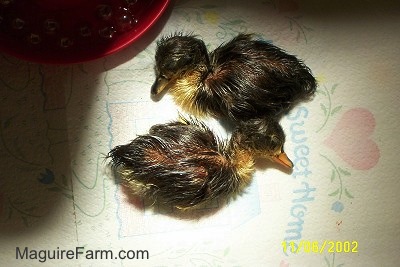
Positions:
(175, 55)
(264, 138)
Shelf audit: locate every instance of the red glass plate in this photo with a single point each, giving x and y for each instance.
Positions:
(72, 31)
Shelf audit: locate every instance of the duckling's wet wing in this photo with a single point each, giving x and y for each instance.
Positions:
(257, 78)
(177, 164)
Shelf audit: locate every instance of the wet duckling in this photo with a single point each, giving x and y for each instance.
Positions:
(184, 164)
(242, 79)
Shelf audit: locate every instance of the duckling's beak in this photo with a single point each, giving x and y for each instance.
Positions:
(159, 85)
(283, 159)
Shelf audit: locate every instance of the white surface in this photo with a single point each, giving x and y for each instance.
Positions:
(344, 145)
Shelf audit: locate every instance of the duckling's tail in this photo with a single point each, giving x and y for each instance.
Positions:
(306, 82)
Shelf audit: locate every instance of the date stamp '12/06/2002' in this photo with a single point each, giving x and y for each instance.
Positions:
(319, 247)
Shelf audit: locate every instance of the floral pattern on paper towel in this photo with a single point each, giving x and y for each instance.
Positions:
(209, 15)
(27, 141)
(17, 210)
(338, 174)
(194, 255)
(295, 20)
(350, 140)
(66, 188)
(48, 178)
(330, 262)
(327, 106)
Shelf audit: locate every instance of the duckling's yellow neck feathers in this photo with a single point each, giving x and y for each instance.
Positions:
(243, 162)
(185, 91)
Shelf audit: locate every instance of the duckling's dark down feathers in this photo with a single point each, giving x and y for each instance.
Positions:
(179, 163)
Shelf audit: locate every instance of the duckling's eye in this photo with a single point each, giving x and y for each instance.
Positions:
(275, 143)
(162, 76)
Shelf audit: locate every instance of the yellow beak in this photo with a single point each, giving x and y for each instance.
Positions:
(283, 159)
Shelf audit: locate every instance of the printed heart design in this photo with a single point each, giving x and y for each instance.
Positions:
(283, 264)
(351, 139)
